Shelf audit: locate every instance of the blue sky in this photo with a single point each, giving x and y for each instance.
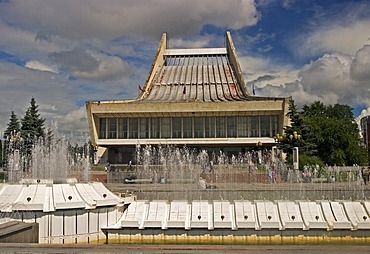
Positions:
(64, 53)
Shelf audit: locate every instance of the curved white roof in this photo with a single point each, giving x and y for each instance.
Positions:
(43, 195)
(242, 214)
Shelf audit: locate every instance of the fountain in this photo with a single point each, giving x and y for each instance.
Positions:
(241, 205)
(50, 186)
(244, 207)
(48, 159)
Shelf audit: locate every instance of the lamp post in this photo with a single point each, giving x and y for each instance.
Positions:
(274, 152)
(295, 137)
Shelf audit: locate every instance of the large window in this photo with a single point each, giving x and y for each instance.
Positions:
(165, 127)
(112, 123)
(154, 127)
(220, 127)
(122, 127)
(265, 126)
(231, 127)
(144, 128)
(187, 127)
(274, 125)
(133, 127)
(254, 126)
(210, 127)
(198, 127)
(243, 126)
(176, 127)
(103, 128)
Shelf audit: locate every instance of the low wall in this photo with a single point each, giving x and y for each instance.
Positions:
(19, 232)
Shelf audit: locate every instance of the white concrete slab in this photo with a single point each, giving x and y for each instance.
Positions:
(134, 214)
(357, 214)
(106, 197)
(88, 194)
(312, 215)
(179, 214)
(8, 196)
(65, 197)
(290, 215)
(335, 215)
(245, 214)
(267, 214)
(156, 214)
(49, 204)
(34, 197)
(222, 214)
(200, 214)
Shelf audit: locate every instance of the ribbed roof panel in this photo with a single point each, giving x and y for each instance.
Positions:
(202, 76)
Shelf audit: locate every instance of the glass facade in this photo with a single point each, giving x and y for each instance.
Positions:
(188, 127)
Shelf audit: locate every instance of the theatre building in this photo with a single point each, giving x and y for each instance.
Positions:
(192, 97)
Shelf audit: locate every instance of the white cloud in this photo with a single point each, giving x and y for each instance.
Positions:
(81, 19)
(360, 68)
(21, 42)
(194, 42)
(262, 72)
(36, 65)
(75, 120)
(345, 34)
(332, 78)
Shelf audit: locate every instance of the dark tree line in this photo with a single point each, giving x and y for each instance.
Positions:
(22, 134)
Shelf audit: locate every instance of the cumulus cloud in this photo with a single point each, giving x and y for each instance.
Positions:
(262, 72)
(332, 78)
(75, 120)
(360, 68)
(337, 38)
(112, 18)
(343, 28)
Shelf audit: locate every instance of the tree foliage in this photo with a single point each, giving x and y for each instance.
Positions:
(297, 134)
(32, 123)
(325, 134)
(13, 126)
(21, 135)
(335, 133)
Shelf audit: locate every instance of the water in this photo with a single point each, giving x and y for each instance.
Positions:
(174, 173)
(48, 159)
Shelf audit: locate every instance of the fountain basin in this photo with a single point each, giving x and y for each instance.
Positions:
(242, 222)
(68, 212)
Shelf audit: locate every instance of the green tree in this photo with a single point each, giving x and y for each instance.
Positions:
(32, 129)
(32, 123)
(11, 139)
(335, 133)
(297, 134)
(13, 127)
